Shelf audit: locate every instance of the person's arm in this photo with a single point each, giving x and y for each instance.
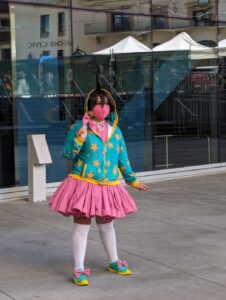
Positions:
(126, 170)
(124, 165)
(73, 143)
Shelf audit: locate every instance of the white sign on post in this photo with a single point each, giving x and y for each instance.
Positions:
(38, 157)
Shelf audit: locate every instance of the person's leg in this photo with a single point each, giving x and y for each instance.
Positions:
(108, 238)
(79, 241)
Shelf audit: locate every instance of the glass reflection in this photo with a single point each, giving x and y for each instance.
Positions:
(171, 101)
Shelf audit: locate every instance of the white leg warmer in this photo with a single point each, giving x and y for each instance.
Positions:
(108, 238)
(79, 242)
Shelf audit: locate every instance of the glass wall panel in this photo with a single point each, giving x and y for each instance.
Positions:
(186, 87)
(127, 75)
(184, 13)
(36, 107)
(35, 32)
(50, 2)
(222, 79)
(7, 164)
(171, 101)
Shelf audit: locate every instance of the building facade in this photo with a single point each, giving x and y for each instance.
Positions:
(172, 105)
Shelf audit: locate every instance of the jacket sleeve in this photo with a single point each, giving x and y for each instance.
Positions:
(124, 165)
(73, 143)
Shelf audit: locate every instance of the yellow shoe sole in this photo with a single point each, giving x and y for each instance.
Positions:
(128, 272)
(82, 283)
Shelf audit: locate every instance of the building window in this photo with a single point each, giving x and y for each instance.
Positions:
(121, 22)
(45, 53)
(44, 26)
(6, 54)
(4, 24)
(203, 2)
(60, 53)
(159, 22)
(202, 18)
(61, 23)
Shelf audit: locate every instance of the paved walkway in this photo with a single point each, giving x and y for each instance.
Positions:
(176, 245)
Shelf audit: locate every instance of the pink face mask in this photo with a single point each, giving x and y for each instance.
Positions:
(100, 111)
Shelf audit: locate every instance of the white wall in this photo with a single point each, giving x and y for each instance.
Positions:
(27, 32)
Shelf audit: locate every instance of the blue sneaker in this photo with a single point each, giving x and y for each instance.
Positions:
(120, 267)
(80, 277)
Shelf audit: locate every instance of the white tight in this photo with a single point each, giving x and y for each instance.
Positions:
(79, 242)
(108, 238)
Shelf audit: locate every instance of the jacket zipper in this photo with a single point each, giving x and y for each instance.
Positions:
(84, 170)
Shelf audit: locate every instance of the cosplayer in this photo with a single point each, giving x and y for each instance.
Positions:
(93, 188)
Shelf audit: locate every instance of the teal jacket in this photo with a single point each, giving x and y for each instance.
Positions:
(95, 161)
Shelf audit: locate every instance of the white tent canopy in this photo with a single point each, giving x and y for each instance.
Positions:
(127, 45)
(222, 48)
(222, 44)
(183, 42)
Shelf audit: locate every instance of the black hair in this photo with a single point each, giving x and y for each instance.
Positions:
(103, 95)
(98, 92)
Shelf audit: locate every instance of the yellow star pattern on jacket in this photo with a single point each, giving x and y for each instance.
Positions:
(90, 175)
(79, 163)
(119, 148)
(115, 170)
(101, 160)
(94, 147)
(96, 163)
(110, 145)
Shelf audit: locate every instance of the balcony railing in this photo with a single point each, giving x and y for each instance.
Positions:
(146, 24)
(94, 28)
(4, 28)
(102, 27)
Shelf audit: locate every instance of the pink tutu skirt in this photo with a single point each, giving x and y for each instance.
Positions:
(80, 198)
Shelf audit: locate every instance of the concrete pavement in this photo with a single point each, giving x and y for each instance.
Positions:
(175, 244)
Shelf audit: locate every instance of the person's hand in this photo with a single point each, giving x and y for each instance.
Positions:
(87, 117)
(142, 187)
(90, 114)
(82, 132)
